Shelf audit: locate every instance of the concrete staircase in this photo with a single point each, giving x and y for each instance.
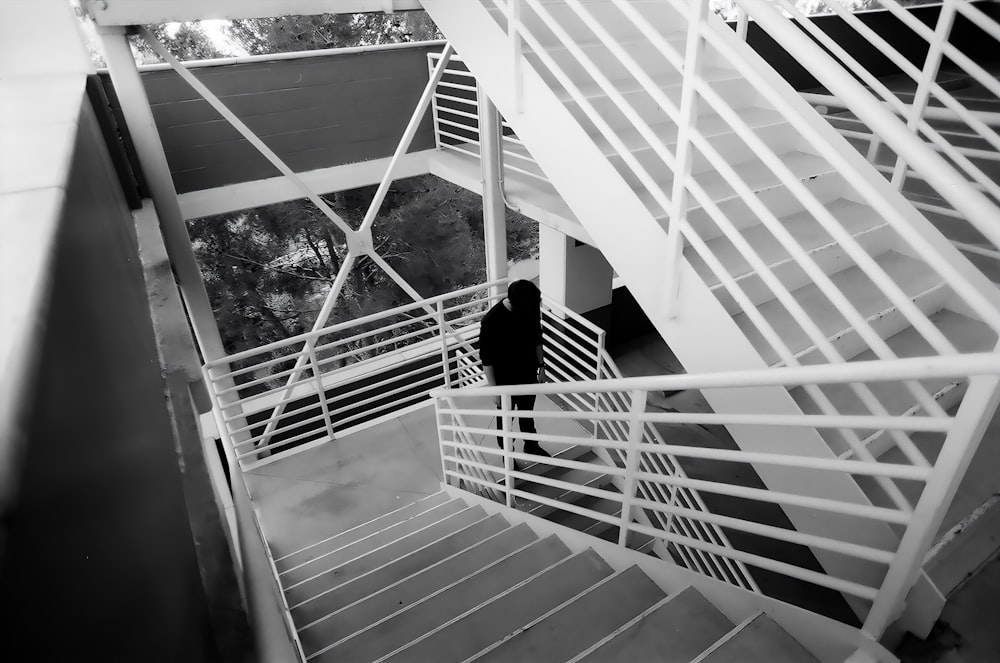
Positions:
(439, 580)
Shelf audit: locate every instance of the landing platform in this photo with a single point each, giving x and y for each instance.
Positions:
(314, 494)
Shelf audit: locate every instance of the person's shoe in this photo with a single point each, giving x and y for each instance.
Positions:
(536, 449)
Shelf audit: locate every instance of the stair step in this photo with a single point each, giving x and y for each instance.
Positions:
(396, 569)
(674, 631)
(391, 598)
(488, 623)
(759, 640)
(758, 179)
(384, 637)
(583, 523)
(335, 576)
(966, 334)
(338, 541)
(734, 89)
(577, 625)
(861, 221)
(911, 274)
(610, 17)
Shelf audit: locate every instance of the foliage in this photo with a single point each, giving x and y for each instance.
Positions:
(300, 33)
(268, 269)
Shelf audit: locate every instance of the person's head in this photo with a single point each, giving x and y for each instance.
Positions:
(525, 297)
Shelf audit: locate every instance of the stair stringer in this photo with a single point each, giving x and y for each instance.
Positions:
(702, 335)
(829, 640)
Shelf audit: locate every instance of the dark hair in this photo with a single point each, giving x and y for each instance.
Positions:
(524, 296)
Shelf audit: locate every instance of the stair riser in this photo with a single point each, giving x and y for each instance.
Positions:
(887, 324)
(366, 529)
(394, 571)
(348, 571)
(415, 622)
(654, 63)
(830, 258)
(605, 13)
(418, 586)
(738, 93)
(882, 442)
(730, 146)
(504, 614)
(778, 200)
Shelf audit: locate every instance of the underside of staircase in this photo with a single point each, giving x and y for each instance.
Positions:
(440, 580)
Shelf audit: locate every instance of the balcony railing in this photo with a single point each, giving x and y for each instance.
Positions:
(463, 419)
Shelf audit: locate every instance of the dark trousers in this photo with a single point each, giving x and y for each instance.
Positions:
(526, 424)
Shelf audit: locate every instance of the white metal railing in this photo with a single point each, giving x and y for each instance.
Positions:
(456, 123)
(572, 69)
(461, 416)
(356, 374)
(929, 103)
(365, 370)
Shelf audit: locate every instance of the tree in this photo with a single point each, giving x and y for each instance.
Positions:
(301, 33)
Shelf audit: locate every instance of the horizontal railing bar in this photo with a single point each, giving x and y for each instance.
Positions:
(374, 317)
(931, 112)
(464, 139)
(863, 422)
(978, 250)
(292, 427)
(913, 368)
(457, 100)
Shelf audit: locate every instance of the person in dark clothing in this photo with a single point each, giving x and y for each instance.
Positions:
(510, 349)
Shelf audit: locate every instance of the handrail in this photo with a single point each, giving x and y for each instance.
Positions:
(962, 430)
(912, 368)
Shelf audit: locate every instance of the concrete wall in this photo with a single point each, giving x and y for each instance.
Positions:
(99, 561)
(314, 112)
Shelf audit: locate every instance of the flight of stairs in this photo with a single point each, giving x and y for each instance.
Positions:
(882, 244)
(439, 580)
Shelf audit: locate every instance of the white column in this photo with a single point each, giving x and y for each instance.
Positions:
(142, 127)
(494, 208)
(574, 274)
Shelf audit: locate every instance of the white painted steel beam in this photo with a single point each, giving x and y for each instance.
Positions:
(494, 207)
(142, 128)
(142, 12)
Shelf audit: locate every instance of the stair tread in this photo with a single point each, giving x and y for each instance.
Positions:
(394, 597)
(709, 124)
(758, 179)
(760, 641)
(911, 274)
(803, 227)
(341, 573)
(402, 628)
(675, 632)
(473, 632)
(966, 334)
(396, 569)
(578, 625)
(592, 90)
(361, 531)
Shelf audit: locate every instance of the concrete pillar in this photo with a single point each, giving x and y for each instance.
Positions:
(574, 274)
(142, 127)
(494, 207)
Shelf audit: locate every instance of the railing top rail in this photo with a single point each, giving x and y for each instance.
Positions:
(352, 323)
(555, 306)
(919, 368)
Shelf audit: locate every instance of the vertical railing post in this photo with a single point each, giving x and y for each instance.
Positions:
(598, 370)
(966, 432)
(929, 73)
(451, 481)
(683, 161)
(434, 101)
(445, 361)
(742, 23)
(514, 37)
(508, 448)
(632, 456)
(320, 391)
